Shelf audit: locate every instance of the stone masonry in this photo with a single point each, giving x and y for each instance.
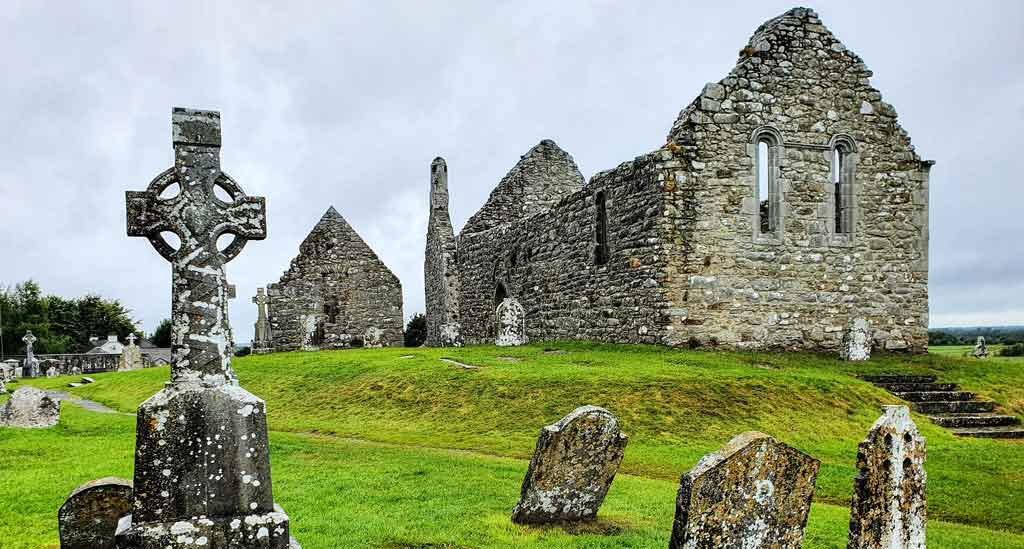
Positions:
(679, 247)
(335, 292)
(440, 267)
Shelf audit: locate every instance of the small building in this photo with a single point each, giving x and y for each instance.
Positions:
(336, 294)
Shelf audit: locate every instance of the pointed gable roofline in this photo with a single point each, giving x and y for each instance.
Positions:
(333, 222)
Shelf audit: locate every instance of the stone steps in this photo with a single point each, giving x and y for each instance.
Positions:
(914, 387)
(934, 396)
(947, 406)
(1004, 431)
(954, 407)
(954, 421)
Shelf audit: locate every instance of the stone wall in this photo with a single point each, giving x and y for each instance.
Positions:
(729, 285)
(548, 263)
(685, 261)
(336, 294)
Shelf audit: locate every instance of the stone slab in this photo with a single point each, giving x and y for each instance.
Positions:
(89, 517)
(30, 408)
(754, 492)
(572, 468)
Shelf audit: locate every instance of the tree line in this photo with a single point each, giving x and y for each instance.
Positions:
(60, 325)
(994, 335)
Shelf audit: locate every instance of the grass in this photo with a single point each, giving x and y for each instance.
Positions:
(371, 449)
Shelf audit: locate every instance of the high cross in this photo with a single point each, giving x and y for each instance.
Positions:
(201, 338)
(261, 301)
(131, 339)
(29, 340)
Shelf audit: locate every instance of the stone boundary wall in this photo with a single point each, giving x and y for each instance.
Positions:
(547, 262)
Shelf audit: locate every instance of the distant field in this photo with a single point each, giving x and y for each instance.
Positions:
(967, 350)
(371, 449)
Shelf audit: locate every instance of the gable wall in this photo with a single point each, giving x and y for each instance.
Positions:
(735, 289)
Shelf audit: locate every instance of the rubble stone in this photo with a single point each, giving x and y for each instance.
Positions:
(857, 341)
(511, 319)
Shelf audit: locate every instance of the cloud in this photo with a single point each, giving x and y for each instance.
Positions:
(346, 103)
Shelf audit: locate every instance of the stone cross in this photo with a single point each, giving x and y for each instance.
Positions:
(131, 339)
(201, 341)
(202, 464)
(29, 340)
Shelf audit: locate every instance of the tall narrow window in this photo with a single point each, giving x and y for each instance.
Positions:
(765, 186)
(842, 186)
(601, 229)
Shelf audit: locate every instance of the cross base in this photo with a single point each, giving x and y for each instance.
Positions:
(266, 531)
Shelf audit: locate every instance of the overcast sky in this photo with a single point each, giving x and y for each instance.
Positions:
(347, 103)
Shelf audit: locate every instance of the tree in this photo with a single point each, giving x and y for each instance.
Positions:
(161, 337)
(60, 325)
(416, 330)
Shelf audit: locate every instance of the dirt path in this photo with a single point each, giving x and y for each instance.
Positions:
(87, 404)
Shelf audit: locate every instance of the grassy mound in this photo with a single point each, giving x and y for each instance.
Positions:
(404, 447)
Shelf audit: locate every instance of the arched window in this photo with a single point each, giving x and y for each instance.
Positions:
(843, 164)
(767, 146)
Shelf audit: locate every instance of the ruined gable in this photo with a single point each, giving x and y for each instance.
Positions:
(542, 177)
(336, 294)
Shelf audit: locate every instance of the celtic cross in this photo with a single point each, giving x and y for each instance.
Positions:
(261, 301)
(29, 340)
(201, 338)
(131, 339)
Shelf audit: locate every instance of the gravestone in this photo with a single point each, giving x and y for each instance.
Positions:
(31, 366)
(857, 341)
(888, 507)
(88, 519)
(30, 408)
(511, 319)
(261, 341)
(373, 338)
(131, 356)
(572, 468)
(202, 469)
(51, 372)
(3, 386)
(754, 492)
(7, 370)
(980, 349)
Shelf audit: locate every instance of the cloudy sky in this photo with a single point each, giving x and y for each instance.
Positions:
(346, 103)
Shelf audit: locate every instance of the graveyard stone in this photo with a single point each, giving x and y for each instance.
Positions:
(980, 349)
(753, 492)
(373, 338)
(511, 319)
(51, 372)
(131, 356)
(261, 341)
(857, 341)
(572, 468)
(30, 408)
(31, 367)
(88, 519)
(3, 386)
(888, 507)
(202, 469)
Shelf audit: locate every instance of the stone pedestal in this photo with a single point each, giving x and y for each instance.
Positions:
(263, 530)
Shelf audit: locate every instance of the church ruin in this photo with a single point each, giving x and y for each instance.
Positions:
(786, 204)
(336, 294)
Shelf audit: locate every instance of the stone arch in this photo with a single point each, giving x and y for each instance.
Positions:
(842, 199)
(766, 150)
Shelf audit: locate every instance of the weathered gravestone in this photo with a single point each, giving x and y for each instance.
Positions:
(857, 341)
(3, 386)
(202, 469)
(754, 492)
(131, 356)
(888, 508)
(980, 349)
(30, 408)
(261, 341)
(31, 366)
(511, 319)
(7, 370)
(373, 338)
(51, 372)
(572, 468)
(88, 519)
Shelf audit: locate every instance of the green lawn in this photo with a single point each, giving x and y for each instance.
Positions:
(372, 449)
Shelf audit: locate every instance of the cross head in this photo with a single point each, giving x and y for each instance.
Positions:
(131, 339)
(29, 340)
(201, 335)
